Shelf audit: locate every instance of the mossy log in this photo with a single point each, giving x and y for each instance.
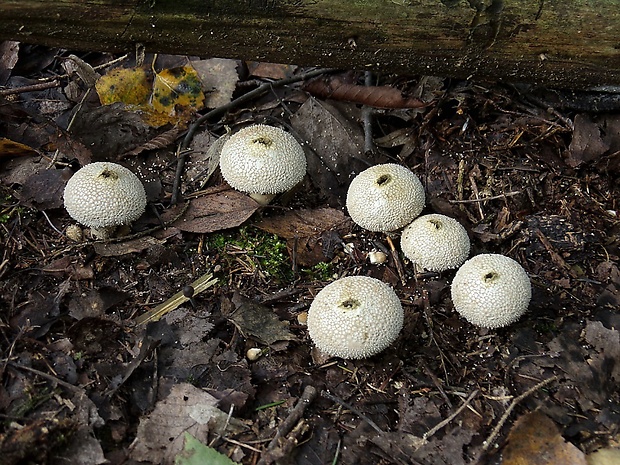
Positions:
(572, 44)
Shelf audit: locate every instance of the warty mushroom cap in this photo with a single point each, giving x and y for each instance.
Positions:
(104, 194)
(435, 242)
(491, 290)
(355, 317)
(262, 159)
(385, 197)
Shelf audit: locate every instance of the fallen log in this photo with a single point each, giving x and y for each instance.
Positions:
(572, 44)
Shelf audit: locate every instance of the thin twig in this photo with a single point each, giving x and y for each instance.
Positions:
(223, 109)
(348, 406)
(399, 265)
(491, 439)
(443, 423)
(484, 199)
(291, 420)
(31, 88)
(49, 377)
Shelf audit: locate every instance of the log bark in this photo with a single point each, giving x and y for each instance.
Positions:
(572, 44)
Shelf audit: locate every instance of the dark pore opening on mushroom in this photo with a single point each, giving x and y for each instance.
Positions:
(350, 304)
(263, 141)
(384, 179)
(436, 223)
(490, 276)
(108, 174)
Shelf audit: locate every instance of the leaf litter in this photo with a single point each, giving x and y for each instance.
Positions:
(82, 380)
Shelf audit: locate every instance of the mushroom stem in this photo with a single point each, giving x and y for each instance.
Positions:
(103, 233)
(263, 199)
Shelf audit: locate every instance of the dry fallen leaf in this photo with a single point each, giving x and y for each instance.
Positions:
(186, 409)
(305, 230)
(254, 319)
(536, 440)
(219, 208)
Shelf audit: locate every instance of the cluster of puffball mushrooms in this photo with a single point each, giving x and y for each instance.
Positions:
(355, 316)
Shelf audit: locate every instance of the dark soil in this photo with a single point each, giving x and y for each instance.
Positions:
(83, 382)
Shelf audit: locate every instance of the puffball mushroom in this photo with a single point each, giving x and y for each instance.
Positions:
(355, 317)
(262, 161)
(385, 198)
(103, 196)
(491, 290)
(435, 242)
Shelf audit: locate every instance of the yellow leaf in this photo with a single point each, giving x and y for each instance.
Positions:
(130, 86)
(178, 92)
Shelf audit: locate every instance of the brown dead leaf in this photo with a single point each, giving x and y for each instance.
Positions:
(337, 146)
(604, 457)
(587, 144)
(44, 190)
(9, 148)
(607, 343)
(219, 79)
(9, 53)
(270, 70)
(219, 208)
(116, 249)
(335, 88)
(305, 231)
(186, 409)
(536, 440)
(95, 302)
(254, 319)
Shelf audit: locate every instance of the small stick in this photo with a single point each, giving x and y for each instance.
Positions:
(399, 265)
(289, 423)
(443, 423)
(31, 88)
(484, 199)
(49, 377)
(486, 444)
(348, 406)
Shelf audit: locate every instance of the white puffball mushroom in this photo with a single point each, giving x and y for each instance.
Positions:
(491, 290)
(376, 257)
(103, 196)
(385, 198)
(254, 354)
(355, 317)
(262, 161)
(435, 243)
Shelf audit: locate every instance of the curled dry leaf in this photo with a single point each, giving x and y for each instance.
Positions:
(536, 440)
(374, 96)
(219, 208)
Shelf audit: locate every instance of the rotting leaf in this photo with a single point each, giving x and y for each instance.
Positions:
(536, 440)
(336, 88)
(218, 208)
(608, 456)
(130, 86)
(196, 453)
(43, 190)
(336, 147)
(587, 144)
(219, 78)
(9, 148)
(9, 54)
(116, 249)
(607, 342)
(177, 92)
(305, 231)
(256, 320)
(95, 302)
(187, 409)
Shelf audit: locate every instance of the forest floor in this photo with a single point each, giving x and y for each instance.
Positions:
(87, 378)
